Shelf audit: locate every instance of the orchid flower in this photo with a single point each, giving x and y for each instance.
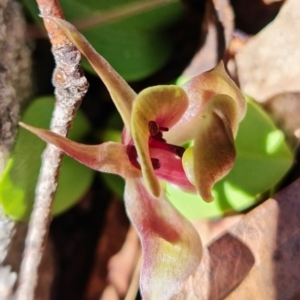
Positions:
(157, 121)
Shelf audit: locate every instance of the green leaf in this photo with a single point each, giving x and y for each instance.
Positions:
(74, 181)
(115, 183)
(263, 158)
(18, 182)
(135, 44)
(113, 132)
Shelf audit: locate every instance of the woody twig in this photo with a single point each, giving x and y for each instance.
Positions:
(70, 87)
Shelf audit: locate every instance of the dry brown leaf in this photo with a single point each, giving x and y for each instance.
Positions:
(211, 229)
(224, 265)
(217, 29)
(257, 259)
(115, 227)
(285, 109)
(206, 58)
(110, 293)
(275, 243)
(269, 64)
(121, 265)
(226, 17)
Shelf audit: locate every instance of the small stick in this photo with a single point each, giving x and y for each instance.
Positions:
(135, 279)
(70, 87)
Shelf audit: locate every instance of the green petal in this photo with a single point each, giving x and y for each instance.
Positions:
(213, 153)
(121, 93)
(201, 89)
(164, 105)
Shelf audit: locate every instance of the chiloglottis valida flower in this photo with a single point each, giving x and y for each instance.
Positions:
(157, 121)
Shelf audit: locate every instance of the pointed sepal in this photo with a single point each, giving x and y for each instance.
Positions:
(121, 93)
(172, 248)
(105, 157)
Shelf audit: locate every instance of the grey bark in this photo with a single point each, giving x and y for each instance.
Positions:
(15, 80)
(15, 86)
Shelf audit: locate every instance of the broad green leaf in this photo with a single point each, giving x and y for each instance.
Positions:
(17, 184)
(136, 45)
(263, 158)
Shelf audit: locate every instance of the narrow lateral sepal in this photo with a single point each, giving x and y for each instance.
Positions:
(105, 157)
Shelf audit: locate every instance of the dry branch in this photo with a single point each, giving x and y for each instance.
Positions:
(70, 88)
